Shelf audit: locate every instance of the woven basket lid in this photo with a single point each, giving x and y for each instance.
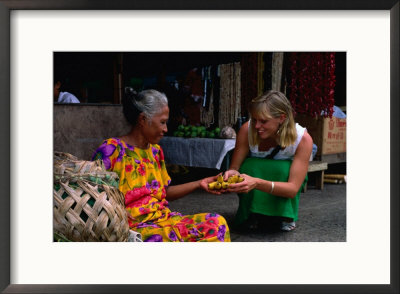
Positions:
(88, 205)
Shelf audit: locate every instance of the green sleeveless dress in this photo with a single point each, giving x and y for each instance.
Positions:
(264, 203)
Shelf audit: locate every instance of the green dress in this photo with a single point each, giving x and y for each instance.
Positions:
(260, 202)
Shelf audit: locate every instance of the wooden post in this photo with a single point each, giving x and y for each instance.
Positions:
(118, 78)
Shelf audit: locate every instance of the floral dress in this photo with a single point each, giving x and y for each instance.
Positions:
(143, 181)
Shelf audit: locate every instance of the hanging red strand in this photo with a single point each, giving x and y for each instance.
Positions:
(312, 83)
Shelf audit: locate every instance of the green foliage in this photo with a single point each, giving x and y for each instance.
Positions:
(191, 131)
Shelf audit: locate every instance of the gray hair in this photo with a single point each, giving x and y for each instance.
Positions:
(149, 102)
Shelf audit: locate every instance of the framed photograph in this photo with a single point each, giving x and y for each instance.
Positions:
(31, 31)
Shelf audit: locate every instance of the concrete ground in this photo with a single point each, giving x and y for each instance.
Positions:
(322, 215)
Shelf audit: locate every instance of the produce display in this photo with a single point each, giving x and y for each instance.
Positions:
(221, 184)
(191, 131)
(227, 133)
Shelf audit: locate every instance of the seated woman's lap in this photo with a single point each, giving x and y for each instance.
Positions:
(207, 227)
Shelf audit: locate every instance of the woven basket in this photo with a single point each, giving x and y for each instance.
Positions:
(88, 205)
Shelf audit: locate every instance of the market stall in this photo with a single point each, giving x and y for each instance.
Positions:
(197, 152)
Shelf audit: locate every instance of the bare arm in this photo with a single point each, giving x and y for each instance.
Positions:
(241, 149)
(297, 173)
(299, 167)
(179, 191)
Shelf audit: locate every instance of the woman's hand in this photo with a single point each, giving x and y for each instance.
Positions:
(204, 185)
(246, 186)
(229, 173)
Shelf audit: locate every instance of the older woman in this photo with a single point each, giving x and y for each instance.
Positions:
(139, 162)
(272, 153)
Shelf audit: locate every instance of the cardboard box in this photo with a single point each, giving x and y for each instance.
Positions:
(334, 135)
(329, 134)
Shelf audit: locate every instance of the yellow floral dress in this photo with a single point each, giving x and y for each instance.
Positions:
(143, 181)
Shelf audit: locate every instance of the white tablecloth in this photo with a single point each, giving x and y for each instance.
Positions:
(196, 152)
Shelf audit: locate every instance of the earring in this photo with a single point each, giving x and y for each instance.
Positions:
(279, 129)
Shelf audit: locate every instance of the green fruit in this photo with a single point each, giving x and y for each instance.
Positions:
(217, 130)
(211, 135)
(181, 127)
(202, 134)
(193, 134)
(176, 133)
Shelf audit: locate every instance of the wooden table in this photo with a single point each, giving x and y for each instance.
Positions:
(317, 167)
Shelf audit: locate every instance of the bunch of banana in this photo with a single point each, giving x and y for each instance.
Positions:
(221, 184)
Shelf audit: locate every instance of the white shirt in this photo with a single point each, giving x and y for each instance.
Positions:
(66, 97)
(287, 153)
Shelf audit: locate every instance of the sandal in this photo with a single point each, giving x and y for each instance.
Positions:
(287, 227)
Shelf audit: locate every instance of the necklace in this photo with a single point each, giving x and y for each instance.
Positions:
(140, 147)
(129, 141)
(144, 148)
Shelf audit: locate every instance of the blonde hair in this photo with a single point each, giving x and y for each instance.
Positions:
(272, 104)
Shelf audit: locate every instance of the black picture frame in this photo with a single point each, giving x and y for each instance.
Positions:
(7, 6)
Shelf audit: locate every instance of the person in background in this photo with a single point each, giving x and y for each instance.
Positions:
(139, 161)
(61, 96)
(272, 154)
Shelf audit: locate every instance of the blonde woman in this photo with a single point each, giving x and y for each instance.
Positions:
(272, 154)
